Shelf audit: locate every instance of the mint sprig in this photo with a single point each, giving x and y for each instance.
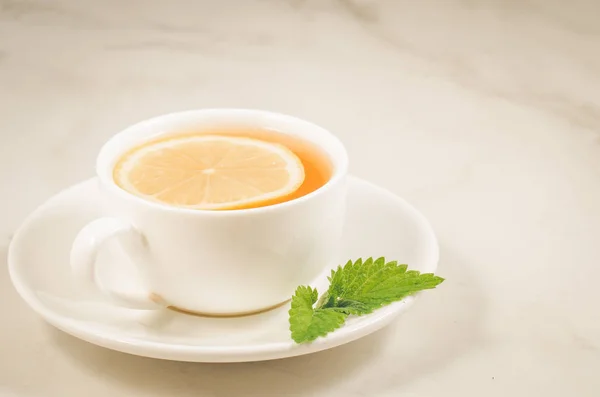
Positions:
(357, 288)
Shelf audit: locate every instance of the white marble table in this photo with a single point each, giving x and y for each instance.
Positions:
(485, 115)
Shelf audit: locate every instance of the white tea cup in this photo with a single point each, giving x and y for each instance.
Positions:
(221, 263)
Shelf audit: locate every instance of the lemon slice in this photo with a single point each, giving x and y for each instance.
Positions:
(210, 172)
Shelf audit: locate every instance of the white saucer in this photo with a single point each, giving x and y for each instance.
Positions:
(378, 224)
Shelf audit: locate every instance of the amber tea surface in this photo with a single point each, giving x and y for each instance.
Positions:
(223, 169)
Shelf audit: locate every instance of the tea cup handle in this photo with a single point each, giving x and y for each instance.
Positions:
(85, 249)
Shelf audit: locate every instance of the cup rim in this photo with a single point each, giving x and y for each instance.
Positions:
(104, 159)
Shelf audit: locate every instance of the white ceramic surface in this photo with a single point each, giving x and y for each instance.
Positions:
(38, 260)
(483, 114)
(188, 258)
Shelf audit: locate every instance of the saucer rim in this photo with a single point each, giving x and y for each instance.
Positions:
(185, 352)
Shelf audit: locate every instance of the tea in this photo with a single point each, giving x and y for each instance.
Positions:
(223, 169)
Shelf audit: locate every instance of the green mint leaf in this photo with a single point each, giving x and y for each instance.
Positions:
(307, 323)
(369, 285)
(357, 288)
